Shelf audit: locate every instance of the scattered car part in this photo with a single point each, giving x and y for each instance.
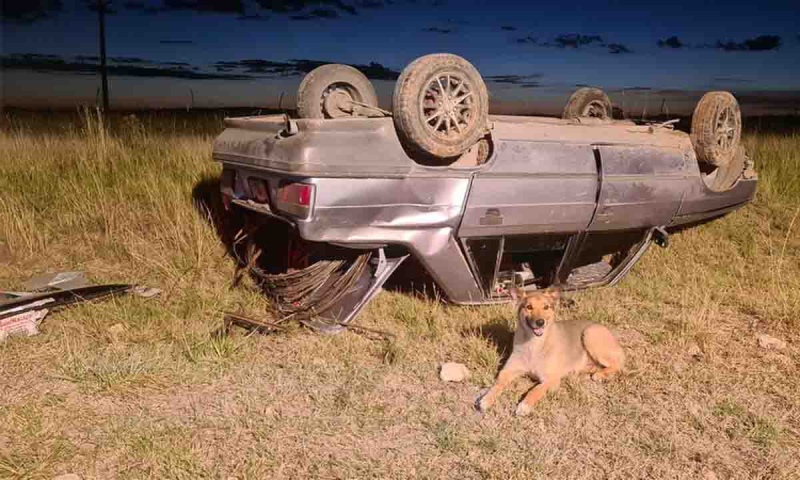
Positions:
(145, 292)
(26, 324)
(587, 102)
(440, 105)
(327, 293)
(716, 128)
(335, 91)
(60, 298)
(57, 281)
(249, 323)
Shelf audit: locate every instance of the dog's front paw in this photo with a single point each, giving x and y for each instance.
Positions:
(523, 409)
(483, 402)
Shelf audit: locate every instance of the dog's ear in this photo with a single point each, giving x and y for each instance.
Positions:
(517, 294)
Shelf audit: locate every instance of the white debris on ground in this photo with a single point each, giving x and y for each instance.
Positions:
(453, 372)
(769, 342)
(25, 324)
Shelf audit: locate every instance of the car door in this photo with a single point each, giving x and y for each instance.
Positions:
(641, 186)
(532, 188)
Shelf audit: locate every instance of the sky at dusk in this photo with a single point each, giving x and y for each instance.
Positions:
(214, 53)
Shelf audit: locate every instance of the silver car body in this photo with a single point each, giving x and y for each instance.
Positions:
(562, 181)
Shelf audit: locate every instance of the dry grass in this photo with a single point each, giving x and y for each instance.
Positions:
(167, 399)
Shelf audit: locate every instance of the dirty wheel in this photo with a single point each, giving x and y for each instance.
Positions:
(334, 91)
(716, 128)
(441, 106)
(723, 178)
(588, 102)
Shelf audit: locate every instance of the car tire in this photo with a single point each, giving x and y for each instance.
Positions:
(716, 128)
(588, 102)
(724, 178)
(441, 106)
(329, 91)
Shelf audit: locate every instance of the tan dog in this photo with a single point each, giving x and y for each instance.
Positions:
(548, 350)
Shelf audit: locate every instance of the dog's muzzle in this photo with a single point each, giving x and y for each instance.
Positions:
(537, 326)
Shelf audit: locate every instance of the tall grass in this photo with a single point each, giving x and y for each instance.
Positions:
(777, 159)
(128, 388)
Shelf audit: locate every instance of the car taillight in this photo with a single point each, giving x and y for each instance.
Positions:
(295, 198)
(258, 190)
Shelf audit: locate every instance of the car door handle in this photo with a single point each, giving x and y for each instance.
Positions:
(491, 217)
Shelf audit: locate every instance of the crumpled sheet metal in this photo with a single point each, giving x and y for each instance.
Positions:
(310, 292)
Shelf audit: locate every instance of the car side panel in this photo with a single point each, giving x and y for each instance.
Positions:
(641, 186)
(532, 187)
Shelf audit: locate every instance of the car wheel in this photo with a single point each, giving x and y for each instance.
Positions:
(334, 91)
(716, 128)
(441, 106)
(723, 178)
(588, 102)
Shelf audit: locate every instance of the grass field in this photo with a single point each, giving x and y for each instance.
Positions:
(134, 388)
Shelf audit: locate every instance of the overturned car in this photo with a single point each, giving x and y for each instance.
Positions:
(341, 196)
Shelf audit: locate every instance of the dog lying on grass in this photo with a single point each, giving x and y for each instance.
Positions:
(548, 350)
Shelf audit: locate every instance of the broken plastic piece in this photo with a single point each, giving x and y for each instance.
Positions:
(145, 292)
(57, 281)
(26, 324)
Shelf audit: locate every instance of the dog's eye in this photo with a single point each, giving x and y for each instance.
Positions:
(547, 307)
(528, 307)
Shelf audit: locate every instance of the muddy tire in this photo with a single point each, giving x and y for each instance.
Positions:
(588, 102)
(328, 91)
(441, 106)
(722, 179)
(716, 128)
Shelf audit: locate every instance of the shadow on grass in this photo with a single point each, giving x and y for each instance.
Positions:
(273, 237)
(208, 202)
(498, 334)
(233, 226)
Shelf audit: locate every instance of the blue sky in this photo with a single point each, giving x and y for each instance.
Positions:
(721, 46)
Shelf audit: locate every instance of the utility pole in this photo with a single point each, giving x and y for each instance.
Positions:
(102, 6)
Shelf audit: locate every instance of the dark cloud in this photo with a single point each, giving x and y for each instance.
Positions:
(618, 48)
(84, 65)
(760, 43)
(522, 81)
(176, 42)
(508, 28)
(370, 4)
(526, 39)
(210, 6)
(575, 40)
(731, 80)
(306, 8)
(127, 60)
(513, 79)
(294, 67)
(671, 42)
(254, 16)
(325, 13)
(138, 6)
(438, 30)
(29, 11)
